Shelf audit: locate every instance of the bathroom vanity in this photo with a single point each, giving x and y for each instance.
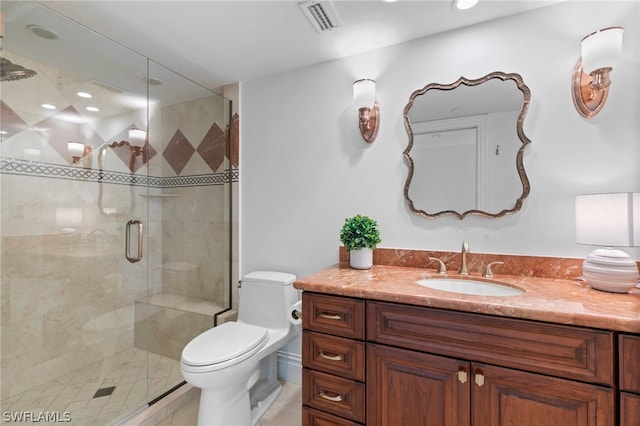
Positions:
(378, 349)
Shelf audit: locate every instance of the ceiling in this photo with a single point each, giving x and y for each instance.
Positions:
(221, 42)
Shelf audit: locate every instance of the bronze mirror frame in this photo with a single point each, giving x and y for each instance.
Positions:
(519, 157)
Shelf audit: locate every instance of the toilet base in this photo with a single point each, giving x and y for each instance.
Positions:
(263, 406)
(219, 410)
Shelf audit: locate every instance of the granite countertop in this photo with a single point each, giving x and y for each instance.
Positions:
(561, 301)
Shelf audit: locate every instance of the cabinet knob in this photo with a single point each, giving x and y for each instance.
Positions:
(462, 376)
(479, 379)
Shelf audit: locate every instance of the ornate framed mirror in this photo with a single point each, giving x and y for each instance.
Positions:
(466, 147)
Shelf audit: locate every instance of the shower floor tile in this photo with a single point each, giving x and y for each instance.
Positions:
(135, 380)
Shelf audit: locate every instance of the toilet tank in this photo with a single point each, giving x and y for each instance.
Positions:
(265, 298)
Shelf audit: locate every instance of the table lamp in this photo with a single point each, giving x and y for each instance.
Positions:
(610, 220)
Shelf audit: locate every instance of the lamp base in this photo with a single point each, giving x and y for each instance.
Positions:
(610, 270)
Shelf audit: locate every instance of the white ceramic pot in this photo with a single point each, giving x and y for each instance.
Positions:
(361, 258)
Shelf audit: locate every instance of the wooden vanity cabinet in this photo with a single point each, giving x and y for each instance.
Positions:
(629, 371)
(432, 367)
(461, 368)
(333, 360)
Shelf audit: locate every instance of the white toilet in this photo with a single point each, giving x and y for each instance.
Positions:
(235, 364)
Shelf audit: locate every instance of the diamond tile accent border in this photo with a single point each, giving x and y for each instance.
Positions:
(212, 147)
(31, 168)
(11, 122)
(178, 151)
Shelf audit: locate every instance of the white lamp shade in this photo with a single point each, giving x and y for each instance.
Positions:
(364, 93)
(76, 149)
(137, 137)
(601, 49)
(608, 219)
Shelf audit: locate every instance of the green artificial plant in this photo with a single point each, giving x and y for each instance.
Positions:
(359, 232)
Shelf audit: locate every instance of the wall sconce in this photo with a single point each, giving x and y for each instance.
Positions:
(76, 150)
(364, 93)
(79, 151)
(137, 137)
(590, 80)
(609, 220)
(137, 143)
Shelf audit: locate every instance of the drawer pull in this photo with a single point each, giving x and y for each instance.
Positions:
(335, 317)
(330, 357)
(337, 398)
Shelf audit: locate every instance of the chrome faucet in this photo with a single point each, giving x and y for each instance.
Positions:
(463, 268)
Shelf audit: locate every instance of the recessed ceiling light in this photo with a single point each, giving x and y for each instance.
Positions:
(48, 106)
(464, 4)
(85, 95)
(92, 108)
(43, 32)
(153, 81)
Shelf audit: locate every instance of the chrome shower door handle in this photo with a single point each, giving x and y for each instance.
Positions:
(127, 241)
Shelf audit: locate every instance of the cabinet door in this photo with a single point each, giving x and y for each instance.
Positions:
(503, 396)
(629, 361)
(412, 388)
(629, 409)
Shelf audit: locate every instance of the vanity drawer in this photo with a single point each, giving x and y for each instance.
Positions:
(629, 362)
(563, 351)
(311, 417)
(340, 316)
(332, 354)
(335, 395)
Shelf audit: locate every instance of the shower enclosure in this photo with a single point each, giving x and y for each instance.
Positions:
(116, 191)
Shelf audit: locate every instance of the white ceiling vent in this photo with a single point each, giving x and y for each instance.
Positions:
(321, 15)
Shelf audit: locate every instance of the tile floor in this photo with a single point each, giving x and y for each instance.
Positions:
(285, 411)
(75, 393)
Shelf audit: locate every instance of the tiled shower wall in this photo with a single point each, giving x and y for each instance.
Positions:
(67, 292)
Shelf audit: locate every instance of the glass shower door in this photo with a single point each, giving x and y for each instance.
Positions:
(115, 190)
(73, 175)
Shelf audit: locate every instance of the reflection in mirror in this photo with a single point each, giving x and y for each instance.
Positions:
(466, 147)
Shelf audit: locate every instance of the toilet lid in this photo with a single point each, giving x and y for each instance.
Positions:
(224, 342)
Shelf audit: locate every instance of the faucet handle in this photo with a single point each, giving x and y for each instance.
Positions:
(442, 269)
(486, 272)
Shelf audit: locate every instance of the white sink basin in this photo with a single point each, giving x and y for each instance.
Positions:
(470, 286)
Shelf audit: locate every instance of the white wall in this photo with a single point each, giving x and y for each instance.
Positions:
(304, 167)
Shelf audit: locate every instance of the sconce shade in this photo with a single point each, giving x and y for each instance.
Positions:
(137, 137)
(590, 80)
(609, 220)
(364, 93)
(76, 149)
(602, 49)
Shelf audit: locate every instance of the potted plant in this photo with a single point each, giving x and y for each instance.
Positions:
(360, 236)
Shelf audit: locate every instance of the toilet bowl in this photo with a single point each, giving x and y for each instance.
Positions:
(235, 364)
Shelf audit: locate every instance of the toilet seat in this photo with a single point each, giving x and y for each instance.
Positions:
(222, 346)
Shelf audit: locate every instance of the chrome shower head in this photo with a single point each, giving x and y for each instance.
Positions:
(10, 71)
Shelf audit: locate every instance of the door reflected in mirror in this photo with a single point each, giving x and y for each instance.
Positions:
(466, 146)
